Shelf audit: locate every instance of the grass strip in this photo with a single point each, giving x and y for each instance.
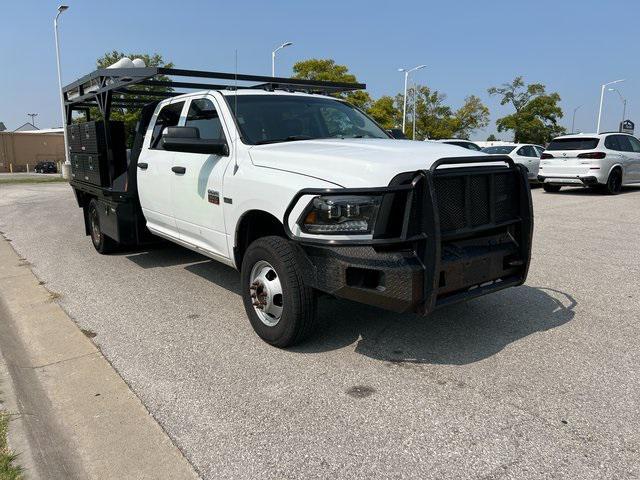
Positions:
(7, 181)
(8, 469)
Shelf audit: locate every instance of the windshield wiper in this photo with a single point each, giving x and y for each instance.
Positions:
(290, 138)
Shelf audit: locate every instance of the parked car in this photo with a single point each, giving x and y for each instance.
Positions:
(525, 154)
(604, 161)
(304, 194)
(460, 143)
(46, 167)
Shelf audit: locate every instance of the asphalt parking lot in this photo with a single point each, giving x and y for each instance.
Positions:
(540, 381)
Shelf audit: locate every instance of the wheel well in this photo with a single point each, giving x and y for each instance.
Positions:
(253, 225)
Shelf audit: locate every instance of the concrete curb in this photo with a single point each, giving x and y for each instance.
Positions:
(78, 418)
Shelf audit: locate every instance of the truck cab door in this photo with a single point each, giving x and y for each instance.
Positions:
(154, 175)
(197, 182)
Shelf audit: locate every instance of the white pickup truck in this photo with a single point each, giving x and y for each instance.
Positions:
(301, 192)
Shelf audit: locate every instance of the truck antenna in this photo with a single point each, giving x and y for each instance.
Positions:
(235, 101)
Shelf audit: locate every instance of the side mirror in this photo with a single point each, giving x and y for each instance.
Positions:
(187, 139)
(397, 133)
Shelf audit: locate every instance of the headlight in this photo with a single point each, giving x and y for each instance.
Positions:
(341, 215)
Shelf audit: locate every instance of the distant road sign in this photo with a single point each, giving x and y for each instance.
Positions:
(627, 127)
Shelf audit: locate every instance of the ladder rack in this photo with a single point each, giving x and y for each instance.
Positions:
(111, 87)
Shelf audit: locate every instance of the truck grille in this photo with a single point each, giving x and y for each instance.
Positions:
(467, 201)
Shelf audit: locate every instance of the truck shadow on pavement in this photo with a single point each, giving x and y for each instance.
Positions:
(456, 335)
(163, 255)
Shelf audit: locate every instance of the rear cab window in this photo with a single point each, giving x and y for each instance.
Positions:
(573, 144)
(203, 115)
(169, 116)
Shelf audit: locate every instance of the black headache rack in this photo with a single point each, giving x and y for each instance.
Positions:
(101, 166)
(442, 235)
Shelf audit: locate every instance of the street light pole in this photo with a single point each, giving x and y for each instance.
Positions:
(415, 94)
(602, 100)
(573, 120)
(273, 57)
(624, 102)
(406, 79)
(66, 166)
(404, 107)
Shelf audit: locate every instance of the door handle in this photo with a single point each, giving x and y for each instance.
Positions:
(178, 170)
(143, 166)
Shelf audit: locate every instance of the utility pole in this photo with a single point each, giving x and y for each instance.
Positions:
(33, 118)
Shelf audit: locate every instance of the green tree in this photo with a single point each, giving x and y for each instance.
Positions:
(536, 112)
(329, 71)
(434, 119)
(492, 138)
(471, 116)
(384, 111)
(130, 116)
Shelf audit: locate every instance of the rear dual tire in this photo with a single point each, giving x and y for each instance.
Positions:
(101, 242)
(280, 306)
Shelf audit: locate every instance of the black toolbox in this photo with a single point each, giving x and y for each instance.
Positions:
(74, 138)
(89, 152)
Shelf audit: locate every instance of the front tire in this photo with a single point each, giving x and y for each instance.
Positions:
(280, 307)
(614, 183)
(101, 242)
(551, 188)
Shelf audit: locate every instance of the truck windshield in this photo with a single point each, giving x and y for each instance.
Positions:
(284, 118)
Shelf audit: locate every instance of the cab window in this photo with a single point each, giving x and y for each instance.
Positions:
(204, 116)
(169, 116)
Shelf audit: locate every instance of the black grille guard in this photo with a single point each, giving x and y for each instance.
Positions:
(420, 229)
(407, 234)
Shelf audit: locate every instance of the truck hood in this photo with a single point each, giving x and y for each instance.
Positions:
(357, 162)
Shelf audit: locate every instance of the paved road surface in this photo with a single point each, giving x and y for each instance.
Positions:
(540, 381)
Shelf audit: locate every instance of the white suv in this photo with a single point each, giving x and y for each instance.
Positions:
(525, 154)
(606, 161)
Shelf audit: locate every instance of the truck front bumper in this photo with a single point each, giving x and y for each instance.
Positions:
(466, 232)
(396, 280)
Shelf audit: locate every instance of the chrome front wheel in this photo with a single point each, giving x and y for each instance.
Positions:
(265, 289)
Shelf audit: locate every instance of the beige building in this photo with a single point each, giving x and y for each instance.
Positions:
(20, 151)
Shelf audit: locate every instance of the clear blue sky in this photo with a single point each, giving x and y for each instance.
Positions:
(572, 46)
